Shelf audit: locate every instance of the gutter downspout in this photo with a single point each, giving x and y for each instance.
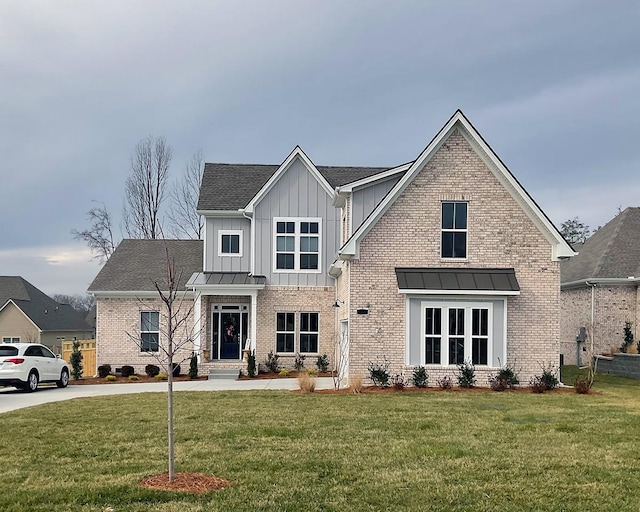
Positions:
(593, 291)
(253, 239)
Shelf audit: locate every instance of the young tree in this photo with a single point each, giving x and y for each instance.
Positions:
(145, 187)
(574, 231)
(99, 237)
(184, 221)
(175, 337)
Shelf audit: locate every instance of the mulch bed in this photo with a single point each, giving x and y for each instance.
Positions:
(125, 380)
(373, 390)
(292, 375)
(197, 483)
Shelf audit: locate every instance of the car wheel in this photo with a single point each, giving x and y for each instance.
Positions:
(64, 379)
(32, 382)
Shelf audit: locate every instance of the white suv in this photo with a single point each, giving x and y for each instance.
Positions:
(24, 365)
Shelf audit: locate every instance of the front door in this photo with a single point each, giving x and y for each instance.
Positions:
(229, 329)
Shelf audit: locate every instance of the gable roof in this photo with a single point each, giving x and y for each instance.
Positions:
(136, 264)
(560, 247)
(227, 187)
(612, 252)
(42, 310)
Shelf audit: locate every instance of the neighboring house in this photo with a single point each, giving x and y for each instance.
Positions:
(434, 262)
(28, 315)
(600, 288)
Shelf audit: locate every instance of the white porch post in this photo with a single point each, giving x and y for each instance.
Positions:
(197, 324)
(254, 319)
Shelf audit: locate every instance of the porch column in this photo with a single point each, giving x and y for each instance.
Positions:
(254, 318)
(197, 324)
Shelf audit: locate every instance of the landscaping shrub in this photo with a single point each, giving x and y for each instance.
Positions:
(445, 383)
(323, 363)
(272, 362)
(127, 371)
(251, 364)
(505, 378)
(379, 372)
(134, 377)
(466, 375)
(311, 371)
(111, 378)
(76, 361)
(398, 382)
(496, 383)
(161, 376)
(104, 370)
(152, 370)
(582, 386)
(357, 383)
(420, 377)
(283, 373)
(299, 362)
(628, 337)
(193, 366)
(537, 384)
(306, 382)
(549, 377)
(176, 370)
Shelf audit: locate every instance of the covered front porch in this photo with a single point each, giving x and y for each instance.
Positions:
(225, 312)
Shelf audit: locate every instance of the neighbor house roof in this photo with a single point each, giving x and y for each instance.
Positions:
(612, 252)
(136, 265)
(42, 310)
(233, 186)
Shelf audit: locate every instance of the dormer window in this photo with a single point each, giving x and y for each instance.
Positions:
(454, 230)
(297, 244)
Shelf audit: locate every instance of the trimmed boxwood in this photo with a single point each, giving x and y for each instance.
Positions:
(104, 370)
(127, 371)
(152, 370)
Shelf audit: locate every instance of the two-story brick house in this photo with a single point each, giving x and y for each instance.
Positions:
(438, 261)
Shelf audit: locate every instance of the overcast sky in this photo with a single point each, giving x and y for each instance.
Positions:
(554, 87)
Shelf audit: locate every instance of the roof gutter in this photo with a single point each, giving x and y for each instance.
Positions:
(631, 280)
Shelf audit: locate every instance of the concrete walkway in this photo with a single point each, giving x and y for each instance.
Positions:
(12, 399)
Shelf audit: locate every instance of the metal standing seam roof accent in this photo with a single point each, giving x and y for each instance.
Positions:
(226, 279)
(454, 279)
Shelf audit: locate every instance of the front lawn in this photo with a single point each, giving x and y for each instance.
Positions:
(284, 451)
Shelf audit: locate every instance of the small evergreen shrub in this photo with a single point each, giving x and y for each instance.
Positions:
(628, 337)
(466, 375)
(311, 371)
(323, 363)
(110, 378)
(379, 372)
(299, 362)
(496, 383)
(134, 377)
(176, 370)
(549, 377)
(582, 386)
(75, 360)
(505, 378)
(104, 370)
(193, 367)
(283, 373)
(272, 363)
(127, 371)
(537, 384)
(161, 376)
(398, 382)
(152, 370)
(252, 371)
(445, 383)
(420, 377)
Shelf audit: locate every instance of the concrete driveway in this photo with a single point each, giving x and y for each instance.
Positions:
(12, 399)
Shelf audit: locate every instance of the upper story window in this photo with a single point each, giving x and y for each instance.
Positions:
(297, 245)
(229, 243)
(454, 230)
(149, 331)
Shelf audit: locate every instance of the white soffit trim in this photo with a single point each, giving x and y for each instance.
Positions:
(296, 153)
(349, 187)
(560, 247)
(489, 293)
(147, 294)
(220, 213)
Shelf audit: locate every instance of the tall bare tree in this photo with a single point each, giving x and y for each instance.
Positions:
(184, 221)
(99, 237)
(81, 303)
(145, 187)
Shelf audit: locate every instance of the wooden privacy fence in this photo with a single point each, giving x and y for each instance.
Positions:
(88, 350)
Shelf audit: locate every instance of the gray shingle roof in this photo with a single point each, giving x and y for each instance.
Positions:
(136, 264)
(232, 186)
(43, 311)
(463, 279)
(611, 252)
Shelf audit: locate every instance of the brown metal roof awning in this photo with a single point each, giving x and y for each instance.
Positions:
(457, 281)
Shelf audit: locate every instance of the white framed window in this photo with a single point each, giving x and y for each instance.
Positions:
(149, 331)
(285, 332)
(230, 242)
(296, 244)
(309, 331)
(455, 332)
(453, 239)
(11, 339)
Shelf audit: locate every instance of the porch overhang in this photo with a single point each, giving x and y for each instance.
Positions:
(457, 281)
(225, 283)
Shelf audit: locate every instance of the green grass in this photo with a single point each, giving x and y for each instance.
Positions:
(450, 451)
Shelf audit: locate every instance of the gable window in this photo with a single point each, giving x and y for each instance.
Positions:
(309, 332)
(149, 331)
(11, 339)
(285, 332)
(297, 245)
(454, 230)
(229, 243)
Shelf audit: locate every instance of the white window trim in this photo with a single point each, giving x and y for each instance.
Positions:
(454, 230)
(468, 306)
(146, 332)
(295, 329)
(230, 232)
(11, 339)
(296, 254)
(301, 332)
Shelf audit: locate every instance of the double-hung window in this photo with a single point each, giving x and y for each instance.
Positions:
(285, 332)
(230, 243)
(149, 331)
(297, 245)
(454, 230)
(309, 333)
(290, 340)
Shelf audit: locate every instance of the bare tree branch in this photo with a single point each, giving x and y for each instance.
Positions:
(144, 189)
(184, 221)
(82, 303)
(99, 237)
